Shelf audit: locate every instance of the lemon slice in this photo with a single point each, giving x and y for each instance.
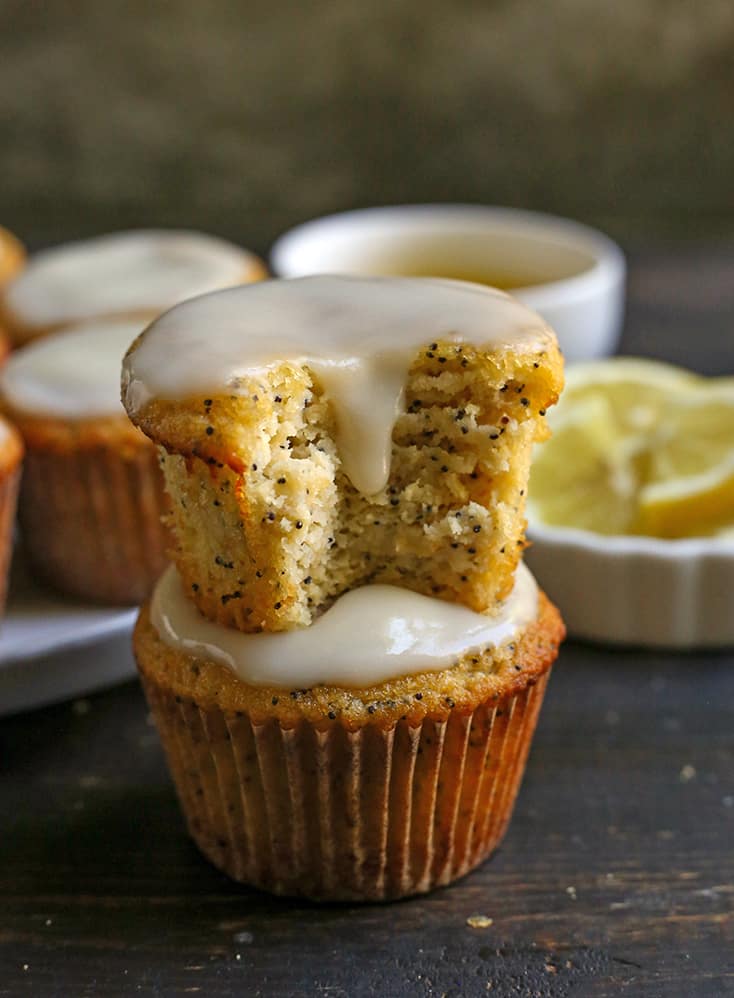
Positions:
(690, 483)
(639, 391)
(584, 475)
(638, 447)
(689, 507)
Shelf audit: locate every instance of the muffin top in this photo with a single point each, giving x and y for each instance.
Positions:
(72, 374)
(490, 674)
(368, 636)
(141, 271)
(357, 335)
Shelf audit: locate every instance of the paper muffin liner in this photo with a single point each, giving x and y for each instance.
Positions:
(337, 815)
(91, 521)
(9, 482)
(5, 345)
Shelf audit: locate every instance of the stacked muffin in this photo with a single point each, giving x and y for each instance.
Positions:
(92, 496)
(347, 661)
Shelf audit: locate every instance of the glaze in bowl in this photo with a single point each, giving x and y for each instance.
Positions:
(574, 276)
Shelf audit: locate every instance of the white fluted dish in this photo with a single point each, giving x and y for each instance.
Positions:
(675, 594)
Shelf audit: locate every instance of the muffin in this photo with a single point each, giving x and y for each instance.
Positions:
(135, 275)
(11, 456)
(12, 256)
(334, 791)
(12, 260)
(92, 497)
(346, 712)
(321, 434)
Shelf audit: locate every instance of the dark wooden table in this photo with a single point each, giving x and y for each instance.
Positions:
(616, 878)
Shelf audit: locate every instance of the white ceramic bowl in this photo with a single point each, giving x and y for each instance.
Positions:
(637, 590)
(572, 275)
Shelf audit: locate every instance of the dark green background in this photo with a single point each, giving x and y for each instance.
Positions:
(244, 118)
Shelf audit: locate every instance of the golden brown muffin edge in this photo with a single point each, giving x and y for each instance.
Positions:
(476, 678)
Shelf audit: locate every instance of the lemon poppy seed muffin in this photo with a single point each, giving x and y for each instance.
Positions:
(321, 434)
(346, 660)
(373, 755)
(92, 497)
(135, 275)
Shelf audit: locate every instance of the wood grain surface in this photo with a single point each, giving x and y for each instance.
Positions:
(616, 877)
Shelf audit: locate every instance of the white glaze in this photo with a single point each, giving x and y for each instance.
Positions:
(358, 336)
(74, 374)
(145, 270)
(370, 635)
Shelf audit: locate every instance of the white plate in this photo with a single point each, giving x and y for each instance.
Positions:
(53, 648)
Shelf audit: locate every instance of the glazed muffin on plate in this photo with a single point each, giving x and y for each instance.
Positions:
(92, 497)
(134, 275)
(346, 710)
(388, 441)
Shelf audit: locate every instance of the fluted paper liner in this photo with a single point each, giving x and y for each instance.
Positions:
(333, 814)
(9, 481)
(91, 521)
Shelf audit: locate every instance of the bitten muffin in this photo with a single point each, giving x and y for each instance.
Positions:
(11, 457)
(271, 523)
(337, 793)
(92, 497)
(135, 275)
